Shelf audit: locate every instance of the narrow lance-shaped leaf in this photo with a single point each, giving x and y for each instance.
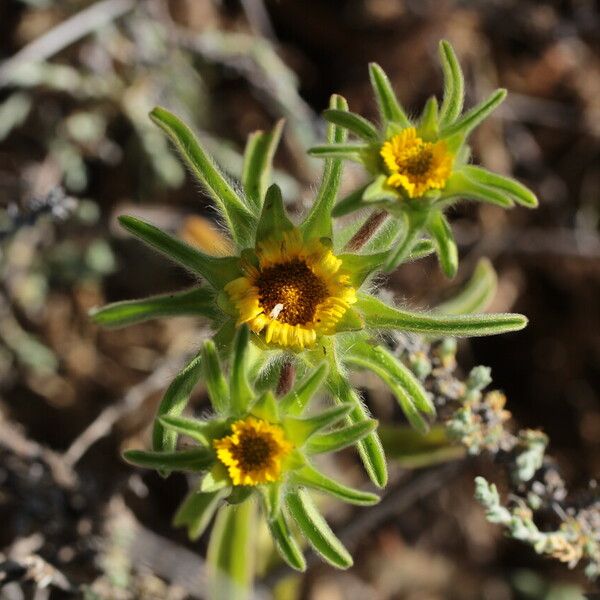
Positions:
(353, 122)
(447, 252)
(476, 295)
(390, 109)
(381, 316)
(231, 553)
(428, 124)
(174, 401)
(300, 430)
(348, 151)
(318, 221)
(340, 438)
(241, 392)
(475, 116)
(198, 459)
(238, 216)
(310, 477)
(197, 430)
(216, 384)
(382, 357)
(460, 185)
(317, 531)
(521, 194)
(216, 270)
(405, 401)
(286, 543)
(196, 302)
(369, 448)
(295, 401)
(453, 85)
(273, 218)
(258, 161)
(197, 510)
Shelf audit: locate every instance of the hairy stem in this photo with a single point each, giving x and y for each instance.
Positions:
(286, 378)
(364, 234)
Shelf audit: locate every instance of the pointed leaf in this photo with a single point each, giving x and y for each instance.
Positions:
(317, 531)
(460, 185)
(428, 124)
(381, 316)
(271, 497)
(273, 219)
(309, 476)
(422, 248)
(216, 479)
(286, 543)
(199, 459)
(201, 431)
(173, 402)
(348, 151)
(360, 266)
(197, 510)
(241, 392)
(389, 108)
(369, 448)
(351, 320)
(216, 385)
(476, 294)
(340, 438)
(230, 556)
(353, 122)
(297, 399)
(258, 161)
(266, 407)
(237, 215)
(299, 430)
(475, 116)
(379, 191)
(447, 252)
(520, 194)
(318, 221)
(216, 270)
(453, 85)
(196, 302)
(383, 358)
(362, 358)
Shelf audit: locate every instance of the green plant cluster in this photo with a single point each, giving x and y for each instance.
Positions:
(248, 366)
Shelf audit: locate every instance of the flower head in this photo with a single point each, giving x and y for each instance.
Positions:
(414, 165)
(253, 451)
(257, 446)
(296, 292)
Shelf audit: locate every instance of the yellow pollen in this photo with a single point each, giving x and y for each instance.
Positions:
(253, 452)
(414, 165)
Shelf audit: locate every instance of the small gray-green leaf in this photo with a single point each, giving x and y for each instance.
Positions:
(353, 122)
(389, 108)
(286, 543)
(197, 510)
(199, 459)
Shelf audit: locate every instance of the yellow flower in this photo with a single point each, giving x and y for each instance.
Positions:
(298, 291)
(415, 165)
(253, 452)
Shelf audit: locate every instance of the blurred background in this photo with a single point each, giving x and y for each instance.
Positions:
(77, 80)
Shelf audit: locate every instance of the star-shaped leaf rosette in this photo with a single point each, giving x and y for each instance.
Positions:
(305, 296)
(254, 446)
(421, 167)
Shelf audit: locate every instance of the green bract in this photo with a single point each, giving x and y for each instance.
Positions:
(293, 434)
(420, 167)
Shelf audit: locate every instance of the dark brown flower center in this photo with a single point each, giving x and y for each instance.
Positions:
(290, 292)
(253, 451)
(419, 163)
